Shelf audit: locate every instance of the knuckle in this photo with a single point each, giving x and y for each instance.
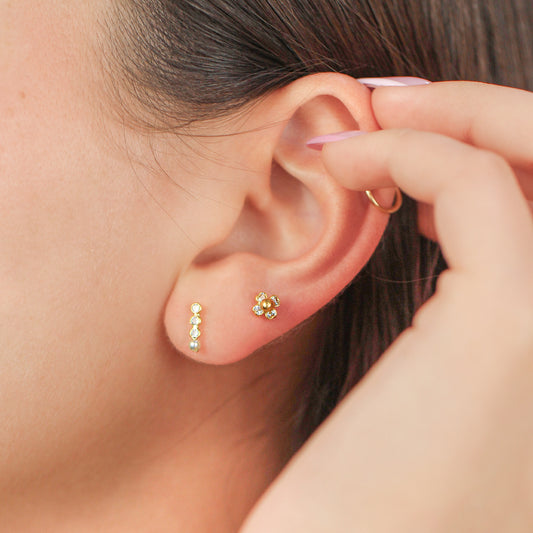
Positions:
(405, 134)
(489, 170)
(490, 164)
(405, 139)
(400, 140)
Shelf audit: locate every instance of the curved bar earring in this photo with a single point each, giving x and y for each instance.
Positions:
(195, 321)
(398, 201)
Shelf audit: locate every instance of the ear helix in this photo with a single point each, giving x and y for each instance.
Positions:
(393, 81)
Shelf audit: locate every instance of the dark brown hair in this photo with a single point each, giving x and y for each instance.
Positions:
(190, 60)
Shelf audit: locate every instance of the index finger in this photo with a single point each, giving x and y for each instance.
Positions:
(493, 117)
(482, 220)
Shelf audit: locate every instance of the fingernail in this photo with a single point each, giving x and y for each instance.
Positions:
(393, 81)
(316, 143)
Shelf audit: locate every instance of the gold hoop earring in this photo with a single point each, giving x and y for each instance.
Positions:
(398, 201)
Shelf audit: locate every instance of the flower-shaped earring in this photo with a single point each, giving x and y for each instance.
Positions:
(266, 305)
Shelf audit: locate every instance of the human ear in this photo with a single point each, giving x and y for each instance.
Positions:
(298, 234)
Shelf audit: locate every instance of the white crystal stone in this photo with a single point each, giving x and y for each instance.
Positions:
(258, 310)
(196, 320)
(194, 346)
(261, 296)
(196, 308)
(271, 314)
(275, 301)
(194, 333)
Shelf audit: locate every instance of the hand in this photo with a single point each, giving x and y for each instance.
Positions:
(491, 117)
(438, 436)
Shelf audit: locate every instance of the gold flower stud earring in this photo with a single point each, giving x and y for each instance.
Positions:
(266, 306)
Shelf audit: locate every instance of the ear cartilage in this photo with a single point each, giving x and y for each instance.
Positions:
(195, 332)
(266, 306)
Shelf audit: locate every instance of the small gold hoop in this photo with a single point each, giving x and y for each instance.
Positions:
(398, 201)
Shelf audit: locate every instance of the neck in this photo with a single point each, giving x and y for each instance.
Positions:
(211, 443)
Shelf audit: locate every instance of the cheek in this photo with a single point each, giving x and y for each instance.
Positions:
(43, 130)
(80, 298)
(63, 234)
(56, 206)
(68, 211)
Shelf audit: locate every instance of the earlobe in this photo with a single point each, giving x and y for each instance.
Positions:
(303, 240)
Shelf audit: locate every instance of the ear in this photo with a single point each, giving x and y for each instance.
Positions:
(298, 234)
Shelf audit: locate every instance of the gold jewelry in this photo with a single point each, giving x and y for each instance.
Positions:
(195, 333)
(398, 200)
(266, 306)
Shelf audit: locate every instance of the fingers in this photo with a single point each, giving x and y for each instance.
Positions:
(526, 182)
(482, 220)
(492, 117)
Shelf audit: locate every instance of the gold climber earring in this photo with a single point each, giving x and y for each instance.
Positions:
(398, 201)
(266, 306)
(195, 332)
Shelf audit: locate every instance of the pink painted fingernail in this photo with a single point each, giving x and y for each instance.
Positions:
(393, 81)
(316, 143)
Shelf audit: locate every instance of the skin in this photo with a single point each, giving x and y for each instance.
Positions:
(438, 435)
(105, 427)
(108, 234)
